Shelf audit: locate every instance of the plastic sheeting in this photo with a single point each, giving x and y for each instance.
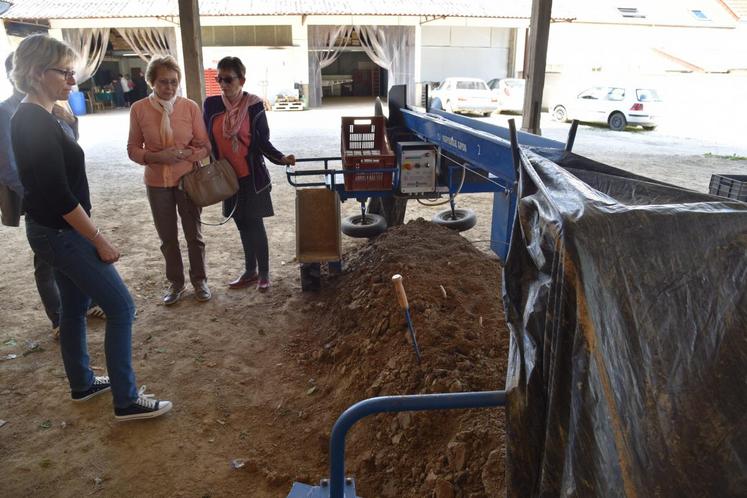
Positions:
(390, 47)
(393, 48)
(91, 44)
(627, 304)
(324, 49)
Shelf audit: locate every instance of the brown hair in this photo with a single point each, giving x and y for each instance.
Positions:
(167, 62)
(233, 64)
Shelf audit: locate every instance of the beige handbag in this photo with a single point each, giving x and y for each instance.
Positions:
(211, 184)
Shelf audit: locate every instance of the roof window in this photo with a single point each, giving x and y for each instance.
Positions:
(631, 12)
(700, 15)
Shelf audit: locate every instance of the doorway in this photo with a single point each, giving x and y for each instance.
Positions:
(354, 74)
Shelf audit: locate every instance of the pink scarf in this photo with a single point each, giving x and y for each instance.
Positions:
(235, 116)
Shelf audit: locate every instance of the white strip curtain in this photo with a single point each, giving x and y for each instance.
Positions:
(392, 48)
(150, 42)
(323, 51)
(90, 44)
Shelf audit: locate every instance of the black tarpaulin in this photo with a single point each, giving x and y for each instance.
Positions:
(627, 304)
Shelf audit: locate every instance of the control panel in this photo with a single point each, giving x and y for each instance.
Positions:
(417, 167)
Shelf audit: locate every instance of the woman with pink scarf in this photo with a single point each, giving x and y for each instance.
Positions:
(167, 136)
(237, 127)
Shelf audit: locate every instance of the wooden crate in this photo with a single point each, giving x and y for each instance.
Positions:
(288, 106)
(318, 235)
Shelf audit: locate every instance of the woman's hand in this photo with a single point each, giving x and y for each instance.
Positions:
(171, 155)
(288, 160)
(106, 251)
(194, 154)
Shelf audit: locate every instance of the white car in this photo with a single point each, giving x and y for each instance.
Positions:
(466, 95)
(510, 93)
(616, 106)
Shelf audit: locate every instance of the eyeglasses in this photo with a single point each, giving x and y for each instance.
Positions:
(67, 74)
(227, 79)
(168, 82)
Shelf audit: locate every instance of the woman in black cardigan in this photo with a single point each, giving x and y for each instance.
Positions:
(60, 230)
(237, 127)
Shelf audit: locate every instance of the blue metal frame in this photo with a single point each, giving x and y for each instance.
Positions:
(478, 144)
(482, 146)
(331, 179)
(339, 487)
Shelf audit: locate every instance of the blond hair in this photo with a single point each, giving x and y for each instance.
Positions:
(166, 62)
(36, 54)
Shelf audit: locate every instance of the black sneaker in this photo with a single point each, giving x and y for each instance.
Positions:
(100, 385)
(144, 407)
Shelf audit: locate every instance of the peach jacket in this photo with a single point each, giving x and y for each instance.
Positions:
(189, 130)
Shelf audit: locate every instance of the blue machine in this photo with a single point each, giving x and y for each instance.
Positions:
(475, 156)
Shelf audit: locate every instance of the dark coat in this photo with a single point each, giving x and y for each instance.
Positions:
(259, 147)
(11, 189)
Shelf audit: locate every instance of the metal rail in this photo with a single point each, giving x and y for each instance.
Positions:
(393, 404)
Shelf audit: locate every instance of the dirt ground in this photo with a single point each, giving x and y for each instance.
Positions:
(262, 377)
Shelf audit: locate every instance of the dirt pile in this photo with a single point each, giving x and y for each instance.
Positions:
(357, 346)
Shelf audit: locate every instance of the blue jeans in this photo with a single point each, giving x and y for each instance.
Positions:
(80, 275)
(48, 291)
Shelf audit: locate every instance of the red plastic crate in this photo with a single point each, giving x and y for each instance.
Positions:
(365, 146)
(211, 86)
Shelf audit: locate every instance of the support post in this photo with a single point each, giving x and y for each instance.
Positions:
(189, 21)
(539, 32)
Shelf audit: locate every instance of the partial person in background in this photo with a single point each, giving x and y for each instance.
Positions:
(11, 195)
(238, 129)
(57, 200)
(119, 100)
(125, 83)
(167, 136)
(139, 88)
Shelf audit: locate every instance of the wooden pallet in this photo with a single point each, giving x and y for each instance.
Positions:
(288, 106)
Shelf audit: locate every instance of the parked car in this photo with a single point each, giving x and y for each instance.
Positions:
(616, 106)
(510, 93)
(466, 95)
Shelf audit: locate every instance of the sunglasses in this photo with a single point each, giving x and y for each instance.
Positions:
(227, 79)
(64, 72)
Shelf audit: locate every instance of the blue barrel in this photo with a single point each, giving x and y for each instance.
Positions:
(77, 101)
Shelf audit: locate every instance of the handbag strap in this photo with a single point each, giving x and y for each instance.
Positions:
(224, 221)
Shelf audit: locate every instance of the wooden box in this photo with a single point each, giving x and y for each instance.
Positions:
(318, 236)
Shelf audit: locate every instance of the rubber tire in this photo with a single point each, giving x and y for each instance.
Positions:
(465, 219)
(617, 121)
(560, 114)
(352, 226)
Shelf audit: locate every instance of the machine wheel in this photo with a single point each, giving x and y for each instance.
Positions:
(464, 219)
(617, 121)
(649, 128)
(391, 208)
(487, 114)
(361, 227)
(560, 114)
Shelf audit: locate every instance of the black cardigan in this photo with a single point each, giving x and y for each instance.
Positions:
(51, 166)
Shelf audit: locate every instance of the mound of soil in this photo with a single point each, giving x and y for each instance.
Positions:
(357, 346)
